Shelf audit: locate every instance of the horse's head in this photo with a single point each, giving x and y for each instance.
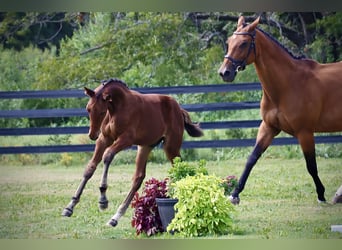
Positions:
(240, 50)
(97, 109)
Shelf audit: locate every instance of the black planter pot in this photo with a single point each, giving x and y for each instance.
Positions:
(166, 210)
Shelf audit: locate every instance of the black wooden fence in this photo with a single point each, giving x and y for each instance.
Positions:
(81, 112)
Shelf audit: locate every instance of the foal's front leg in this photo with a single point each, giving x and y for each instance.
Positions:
(103, 201)
(100, 147)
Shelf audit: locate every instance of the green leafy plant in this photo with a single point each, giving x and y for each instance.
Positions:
(146, 217)
(202, 207)
(182, 169)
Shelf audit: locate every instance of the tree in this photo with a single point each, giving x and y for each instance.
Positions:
(42, 30)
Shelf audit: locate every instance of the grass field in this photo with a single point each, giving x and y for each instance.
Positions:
(279, 201)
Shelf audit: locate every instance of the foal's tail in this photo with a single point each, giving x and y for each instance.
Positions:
(192, 129)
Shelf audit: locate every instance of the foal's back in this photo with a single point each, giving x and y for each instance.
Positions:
(154, 116)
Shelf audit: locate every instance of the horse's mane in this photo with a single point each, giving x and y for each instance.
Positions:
(281, 45)
(114, 80)
(111, 81)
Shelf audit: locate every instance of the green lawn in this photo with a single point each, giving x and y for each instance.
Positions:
(279, 201)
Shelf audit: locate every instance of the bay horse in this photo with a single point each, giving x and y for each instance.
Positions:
(299, 96)
(121, 118)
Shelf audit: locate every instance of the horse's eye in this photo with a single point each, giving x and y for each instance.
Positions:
(243, 45)
(226, 48)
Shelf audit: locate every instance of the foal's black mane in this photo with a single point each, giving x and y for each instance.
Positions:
(111, 81)
(114, 80)
(281, 45)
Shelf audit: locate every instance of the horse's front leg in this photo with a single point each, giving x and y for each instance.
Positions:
(139, 175)
(264, 139)
(103, 201)
(88, 173)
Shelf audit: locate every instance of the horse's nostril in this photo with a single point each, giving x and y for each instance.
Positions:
(225, 74)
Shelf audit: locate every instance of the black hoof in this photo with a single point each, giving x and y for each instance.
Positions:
(103, 204)
(112, 223)
(67, 212)
(234, 200)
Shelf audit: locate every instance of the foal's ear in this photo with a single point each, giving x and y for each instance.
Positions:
(89, 92)
(253, 25)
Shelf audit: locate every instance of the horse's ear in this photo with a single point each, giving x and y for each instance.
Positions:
(89, 92)
(241, 21)
(107, 97)
(253, 25)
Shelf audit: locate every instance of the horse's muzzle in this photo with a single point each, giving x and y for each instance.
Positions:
(227, 75)
(93, 136)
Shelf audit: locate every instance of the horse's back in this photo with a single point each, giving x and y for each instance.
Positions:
(161, 109)
(329, 92)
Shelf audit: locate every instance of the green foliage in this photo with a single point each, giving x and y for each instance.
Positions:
(144, 49)
(326, 46)
(181, 169)
(18, 69)
(202, 208)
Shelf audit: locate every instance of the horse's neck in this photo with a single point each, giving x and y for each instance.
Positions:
(273, 65)
(119, 96)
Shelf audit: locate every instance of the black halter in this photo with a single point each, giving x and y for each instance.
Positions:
(241, 64)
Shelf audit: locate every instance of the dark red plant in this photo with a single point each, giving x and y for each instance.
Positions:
(146, 216)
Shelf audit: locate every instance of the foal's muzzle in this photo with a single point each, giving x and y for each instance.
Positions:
(93, 136)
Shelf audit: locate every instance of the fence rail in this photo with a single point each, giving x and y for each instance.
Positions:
(76, 112)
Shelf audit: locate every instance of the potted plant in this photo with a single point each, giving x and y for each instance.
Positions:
(202, 207)
(154, 208)
(179, 170)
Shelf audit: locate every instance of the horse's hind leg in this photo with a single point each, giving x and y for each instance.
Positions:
(171, 147)
(307, 143)
(138, 177)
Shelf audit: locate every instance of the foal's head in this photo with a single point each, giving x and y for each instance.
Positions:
(106, 96)
(240, 50)
(97, 109)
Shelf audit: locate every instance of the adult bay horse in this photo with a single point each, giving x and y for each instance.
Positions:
(300, 96)
(120, 118)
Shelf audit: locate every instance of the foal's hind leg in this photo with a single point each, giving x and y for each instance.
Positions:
(171, 147)
(307, 143)
(138, 177)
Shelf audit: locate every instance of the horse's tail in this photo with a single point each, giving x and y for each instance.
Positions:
(192, 129)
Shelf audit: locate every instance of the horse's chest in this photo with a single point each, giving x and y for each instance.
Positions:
(114, 128)
(277, 119)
